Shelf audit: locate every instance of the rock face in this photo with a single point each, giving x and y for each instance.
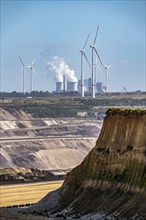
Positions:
(111, 181)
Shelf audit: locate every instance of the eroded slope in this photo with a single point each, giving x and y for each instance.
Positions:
(111, 181)
(46, 144)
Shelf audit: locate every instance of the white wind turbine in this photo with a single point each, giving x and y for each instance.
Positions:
(93, 65)
(23, 70)
(31, 74)
(106, 75)
(95, 72)
(82, 70)
(31, 67)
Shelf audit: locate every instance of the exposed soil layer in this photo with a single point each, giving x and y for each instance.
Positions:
(111, 180)
(57, 155)
(6, 215)
(23, 175)
(46, 144)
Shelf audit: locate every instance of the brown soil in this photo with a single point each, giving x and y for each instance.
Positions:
(23, 175)
(111, 181)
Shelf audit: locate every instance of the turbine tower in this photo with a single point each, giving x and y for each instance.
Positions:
(106, 75)
(95, 72)
(94, 50)
(23, 74)
(31, 74)
(31, 66)
(82, 71)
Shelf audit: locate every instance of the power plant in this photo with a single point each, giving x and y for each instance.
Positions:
(66, 80)
(76, 86)
(71, 87)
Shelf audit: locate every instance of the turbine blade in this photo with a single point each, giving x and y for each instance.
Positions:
(105, 66)
(34, 70)
(99, 68)
(86, 41)
(96, 35)
(33, 62)
(98, 56)
(22, 68)
(96, 61)
(20, 60)
(109, 66)
(87, 59)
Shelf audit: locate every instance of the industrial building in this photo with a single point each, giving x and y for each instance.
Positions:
(76, 86)
(99, 88)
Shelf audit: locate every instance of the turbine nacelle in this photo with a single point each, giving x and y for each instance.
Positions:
(107, 67)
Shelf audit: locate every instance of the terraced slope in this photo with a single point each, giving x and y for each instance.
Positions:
(57, 155)
(111, 181)
(57, 145)
(23, 175)
(13, 114)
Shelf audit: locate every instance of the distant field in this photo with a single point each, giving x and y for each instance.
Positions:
(73, 106)
(26, 193)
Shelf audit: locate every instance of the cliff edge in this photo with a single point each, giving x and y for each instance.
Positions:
(111, 181)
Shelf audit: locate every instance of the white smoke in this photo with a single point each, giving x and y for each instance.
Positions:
(60, 68)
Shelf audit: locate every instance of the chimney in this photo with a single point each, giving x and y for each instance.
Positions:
(64, 83)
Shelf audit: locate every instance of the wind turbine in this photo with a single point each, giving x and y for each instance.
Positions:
(31, 74)
(94, 50)
(31, 66)
(95, 72)
(82, 71)
(22, 70)
(106, 75)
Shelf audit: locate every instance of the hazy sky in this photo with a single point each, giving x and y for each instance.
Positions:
(44, 29)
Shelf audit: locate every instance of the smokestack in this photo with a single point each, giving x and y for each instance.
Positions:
(71, 86)
(64, 83)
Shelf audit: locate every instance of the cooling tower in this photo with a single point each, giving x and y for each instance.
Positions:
(59, 87)
(71, 86)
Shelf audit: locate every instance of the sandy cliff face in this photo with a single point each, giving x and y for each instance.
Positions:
(111, 181)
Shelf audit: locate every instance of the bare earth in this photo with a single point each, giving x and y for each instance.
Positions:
(45, 144)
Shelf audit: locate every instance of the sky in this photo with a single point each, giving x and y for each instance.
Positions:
(47, 29)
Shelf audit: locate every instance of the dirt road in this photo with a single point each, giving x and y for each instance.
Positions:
(4, 140)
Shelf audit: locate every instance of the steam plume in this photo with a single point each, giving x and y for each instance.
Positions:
(60, 68)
